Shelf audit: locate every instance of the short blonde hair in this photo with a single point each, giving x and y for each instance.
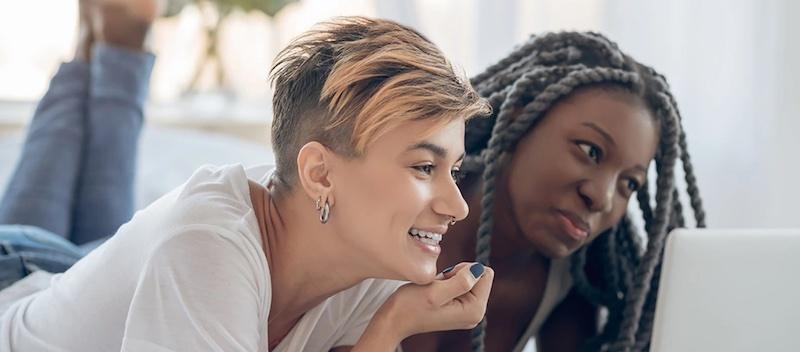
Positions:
(346, 82)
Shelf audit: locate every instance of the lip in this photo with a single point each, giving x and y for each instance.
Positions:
(574, 225)
(435, 229)
(429, 249)
(433, 250)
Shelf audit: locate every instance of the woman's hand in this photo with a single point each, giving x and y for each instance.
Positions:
(455, 300)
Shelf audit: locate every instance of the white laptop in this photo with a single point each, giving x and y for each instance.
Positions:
(729, 290)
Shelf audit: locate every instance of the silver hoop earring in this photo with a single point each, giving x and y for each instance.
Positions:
(324, 212)
(452, 220)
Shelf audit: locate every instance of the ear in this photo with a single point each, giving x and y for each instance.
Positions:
(314, 163)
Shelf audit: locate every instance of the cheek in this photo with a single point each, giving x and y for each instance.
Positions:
(356, 193)
(542, 177)
(380, 202)
(613, 218)
(405, 199)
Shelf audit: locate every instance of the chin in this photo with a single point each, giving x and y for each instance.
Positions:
(555, 250)
(422, 281)
(421, 275)
(550, 246)
(561, 253)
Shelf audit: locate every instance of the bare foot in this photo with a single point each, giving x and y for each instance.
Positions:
(146, 10)
(123, 23)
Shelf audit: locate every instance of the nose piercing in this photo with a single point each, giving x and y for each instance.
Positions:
(452, 220)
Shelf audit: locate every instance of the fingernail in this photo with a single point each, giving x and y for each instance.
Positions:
(476, 270)
(445, 271)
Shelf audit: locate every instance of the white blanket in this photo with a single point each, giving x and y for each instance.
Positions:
(167, 157)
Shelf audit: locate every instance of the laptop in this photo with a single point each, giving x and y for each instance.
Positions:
(729, 290)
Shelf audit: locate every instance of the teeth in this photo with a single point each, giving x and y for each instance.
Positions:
(436, 237)
(429, 241)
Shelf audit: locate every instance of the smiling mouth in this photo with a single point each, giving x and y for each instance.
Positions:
(426, 237)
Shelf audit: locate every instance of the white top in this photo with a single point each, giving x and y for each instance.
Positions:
(187, 273)
(557, 286)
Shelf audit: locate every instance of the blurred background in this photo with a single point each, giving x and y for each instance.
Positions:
(732, 65)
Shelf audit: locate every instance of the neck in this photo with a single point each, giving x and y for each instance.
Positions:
(306, 261)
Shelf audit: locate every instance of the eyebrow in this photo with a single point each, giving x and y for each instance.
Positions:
(437, 150)
(601, 131)
(641, 168)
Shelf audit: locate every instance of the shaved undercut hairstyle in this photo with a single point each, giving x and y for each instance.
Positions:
(346, 82)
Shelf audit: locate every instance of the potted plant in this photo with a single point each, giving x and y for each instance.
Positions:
(214, 13)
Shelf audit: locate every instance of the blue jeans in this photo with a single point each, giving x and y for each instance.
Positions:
(25, 249)
(73, 184)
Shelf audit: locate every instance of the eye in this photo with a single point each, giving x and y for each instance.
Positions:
(633, 185)
(456, 174)
(426, 169)
(592, 151)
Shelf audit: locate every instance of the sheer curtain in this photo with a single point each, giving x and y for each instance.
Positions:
(732, 66)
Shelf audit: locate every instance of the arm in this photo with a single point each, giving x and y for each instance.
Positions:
(569, 326)
(372, 328)
(379, 336)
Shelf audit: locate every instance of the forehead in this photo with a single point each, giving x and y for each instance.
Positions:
(611, 107)
(622, 115)
(398, 139)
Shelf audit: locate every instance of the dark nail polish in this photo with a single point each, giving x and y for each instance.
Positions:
(445, 271)
(476, 270)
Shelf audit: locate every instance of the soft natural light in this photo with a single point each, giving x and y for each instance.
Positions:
(731, 64)
(32, 42)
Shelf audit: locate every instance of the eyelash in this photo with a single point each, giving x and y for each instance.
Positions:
(633, 185)
(425, 169)
(457, 175)
(598, 153)
(428, 169)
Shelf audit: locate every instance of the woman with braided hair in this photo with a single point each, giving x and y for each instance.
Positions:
(549, 175)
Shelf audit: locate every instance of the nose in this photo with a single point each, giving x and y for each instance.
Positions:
(598, 193)
(450, 202)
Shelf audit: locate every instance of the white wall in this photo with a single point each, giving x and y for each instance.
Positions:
(733, 66)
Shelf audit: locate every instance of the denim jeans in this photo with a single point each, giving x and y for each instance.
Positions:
(25, 249)
(73, 184)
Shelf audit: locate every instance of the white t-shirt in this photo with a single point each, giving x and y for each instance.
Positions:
(187, 273)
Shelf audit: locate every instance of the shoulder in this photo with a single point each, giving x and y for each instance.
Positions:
(215, 196)
(211, 179)
(227, 176)
(207, 251)
(198, 291)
